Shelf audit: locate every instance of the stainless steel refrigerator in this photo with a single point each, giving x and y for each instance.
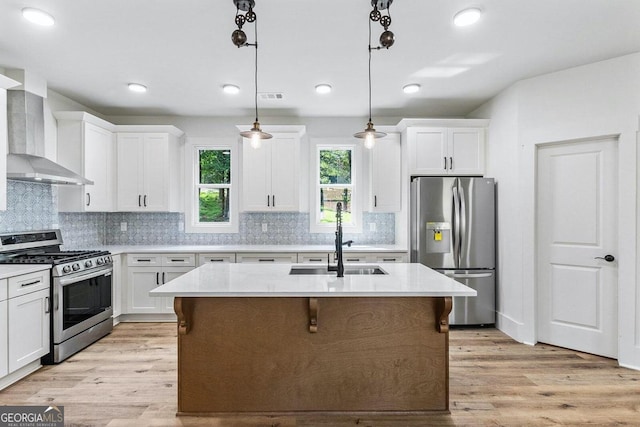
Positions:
(453, 232)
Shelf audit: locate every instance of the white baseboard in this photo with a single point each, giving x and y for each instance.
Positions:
(510, 327)
(19, 374)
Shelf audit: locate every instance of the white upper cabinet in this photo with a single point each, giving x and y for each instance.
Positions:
(86, 145)
(270, 174)
(445, 147)
(386, 173)
(5, 83)
(149, 169)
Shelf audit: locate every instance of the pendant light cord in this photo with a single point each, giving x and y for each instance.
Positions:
(256, 68)
(369, 70)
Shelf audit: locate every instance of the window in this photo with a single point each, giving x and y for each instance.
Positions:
(212, 206)
(335, 182)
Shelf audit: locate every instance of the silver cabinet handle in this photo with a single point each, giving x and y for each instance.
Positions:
(88, 199)
(46, 305)
(315, 259)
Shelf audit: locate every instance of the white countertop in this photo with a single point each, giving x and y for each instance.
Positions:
(273, 280)
(11, 270)
(120, 249)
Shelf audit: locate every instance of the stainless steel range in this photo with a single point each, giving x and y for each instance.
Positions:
(80, 288)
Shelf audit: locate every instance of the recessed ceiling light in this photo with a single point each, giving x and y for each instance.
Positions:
(38, 17)
(137, 87)
(411, 88)
(323, 88)
(231, 89)
(467, 17)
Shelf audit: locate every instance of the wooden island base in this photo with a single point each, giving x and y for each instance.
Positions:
(342, 354)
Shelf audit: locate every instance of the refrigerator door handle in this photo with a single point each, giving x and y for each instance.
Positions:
(455, 232)
(468, 275)
(462, 227)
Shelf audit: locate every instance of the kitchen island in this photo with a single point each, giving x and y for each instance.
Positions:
(253, 338)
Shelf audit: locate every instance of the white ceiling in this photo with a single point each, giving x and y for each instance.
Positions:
(182, 50)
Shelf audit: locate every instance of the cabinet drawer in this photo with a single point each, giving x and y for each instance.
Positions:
(187, 260)
(267, 258)
(354, 257)
(395, 257)
(216, 258)
(315, 258)
(144, 260)
(4, 293)
(28, 283)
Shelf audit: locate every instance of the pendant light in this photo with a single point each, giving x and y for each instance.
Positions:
(387, 39)
(239, 38)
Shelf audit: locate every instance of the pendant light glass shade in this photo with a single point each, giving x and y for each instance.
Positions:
(256, 135)
(369, 135)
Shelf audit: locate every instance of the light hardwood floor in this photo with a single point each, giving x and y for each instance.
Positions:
(129, 379)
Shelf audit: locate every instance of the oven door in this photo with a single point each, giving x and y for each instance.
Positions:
(80, 302)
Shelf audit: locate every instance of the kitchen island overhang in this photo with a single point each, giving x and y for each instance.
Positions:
(254, 339)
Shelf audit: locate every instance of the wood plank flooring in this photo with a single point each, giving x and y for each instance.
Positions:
(129, 379)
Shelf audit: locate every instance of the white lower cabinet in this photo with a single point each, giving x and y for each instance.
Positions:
(267, 258)
(216, 258)
(351, 257)
(148, 271)
(315, 257)
(4, 329)
(29, 313)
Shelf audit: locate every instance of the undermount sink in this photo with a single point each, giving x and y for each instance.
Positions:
(348, 270)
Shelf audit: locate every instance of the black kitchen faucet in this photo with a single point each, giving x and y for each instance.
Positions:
(338, 255)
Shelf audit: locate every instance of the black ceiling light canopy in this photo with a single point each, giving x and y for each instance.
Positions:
(239, 38)
(387, 39)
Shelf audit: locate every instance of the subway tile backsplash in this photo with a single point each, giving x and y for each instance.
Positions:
(32, 206)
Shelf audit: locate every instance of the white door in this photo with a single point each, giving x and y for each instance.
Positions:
(577, 227)
(140, 281)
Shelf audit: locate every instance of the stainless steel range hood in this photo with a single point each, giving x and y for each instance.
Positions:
(26, 161)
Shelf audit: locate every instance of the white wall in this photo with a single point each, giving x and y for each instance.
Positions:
(593, 100)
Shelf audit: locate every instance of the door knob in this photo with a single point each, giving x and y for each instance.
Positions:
(608, 258)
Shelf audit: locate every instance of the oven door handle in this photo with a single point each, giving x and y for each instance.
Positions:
(64, 281)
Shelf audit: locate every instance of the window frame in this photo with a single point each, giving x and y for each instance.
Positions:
(192, 202)
(315, 226)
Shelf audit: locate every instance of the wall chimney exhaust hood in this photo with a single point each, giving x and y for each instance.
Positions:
(26, 161)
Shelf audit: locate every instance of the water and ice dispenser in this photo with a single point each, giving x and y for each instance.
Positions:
(438, 239)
